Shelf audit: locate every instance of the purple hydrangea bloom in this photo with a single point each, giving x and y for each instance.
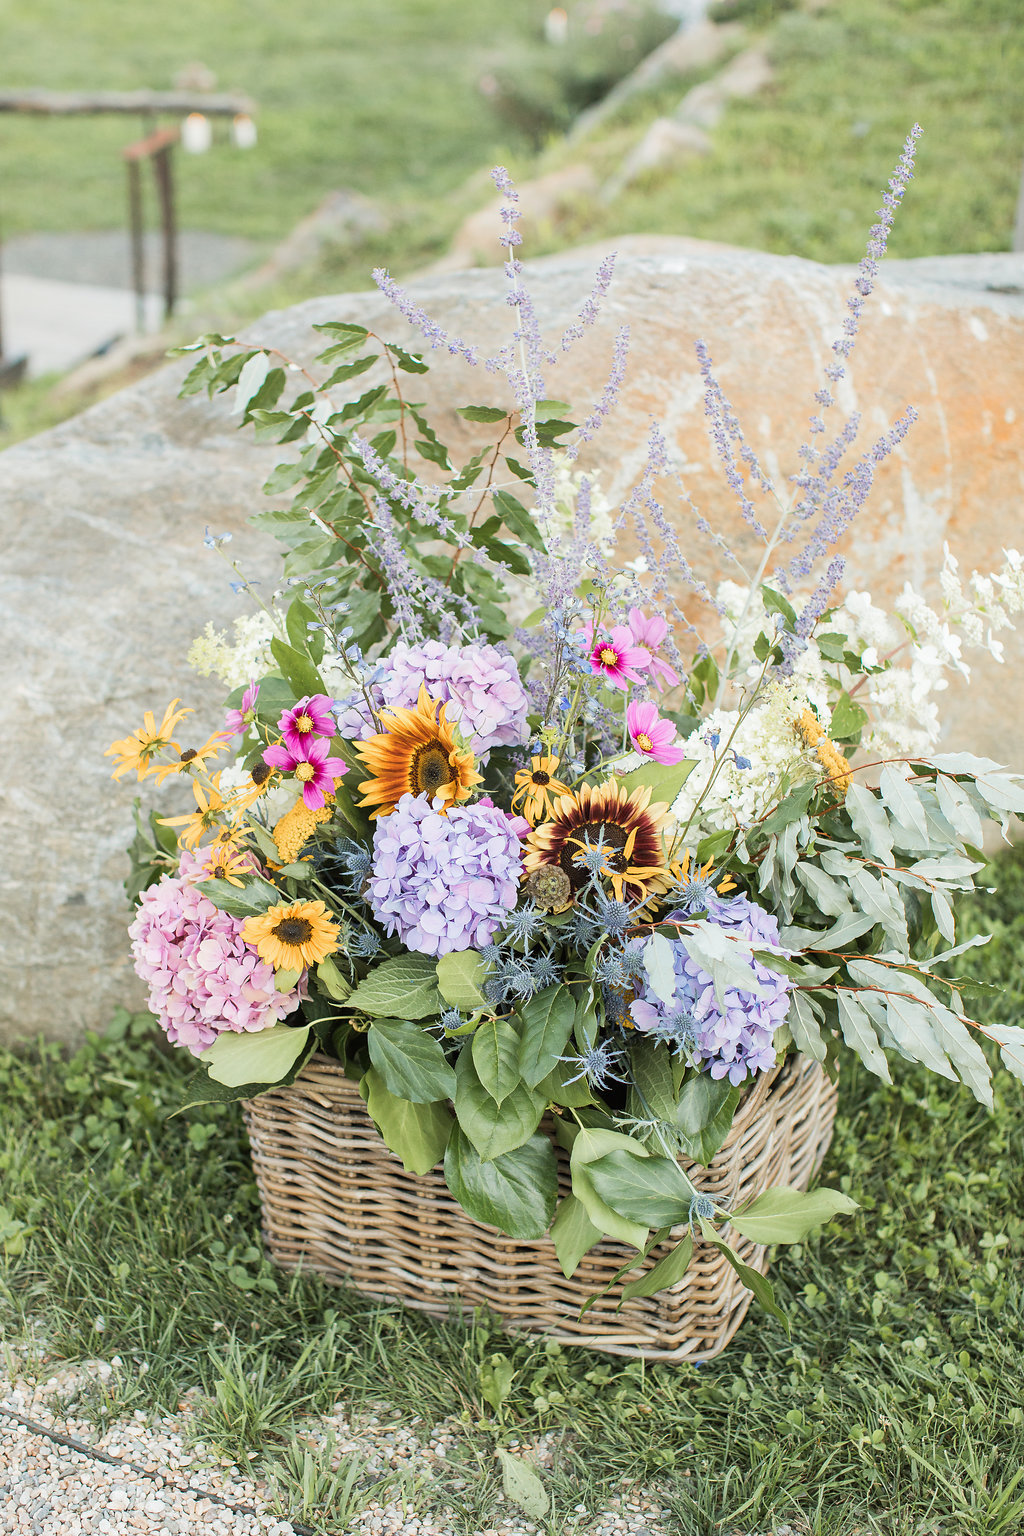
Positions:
(444, 882)
(479, 684)
(737, 1042)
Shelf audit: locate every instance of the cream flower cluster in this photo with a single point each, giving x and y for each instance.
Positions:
(234, 662)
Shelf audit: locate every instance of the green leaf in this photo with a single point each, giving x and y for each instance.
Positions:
(460, 978)
(848, 718)
(803, 1020)
(568, 1095)
(350, 370)
(417, 1133)
(508, 555)
(481, 412)
(492, 1128)
(774, 602)
(522, 1485)
(651, 1068)
(652, 1191)
(664, 780)
(405, 987)
(515, 1192)
(344, 328)
(409, 362)
(791, 809)
(573, 1234)
(704, 1115)
(751, 1279)
(780, 1215)
(297, 668)
(547, 1023)
(588, 1146)
(264, 1056)
(669, 1270)
(495, 1050)
(411, 1062)
(201, 1088)
(1010, 1038)
(516, 518)
(247, 900)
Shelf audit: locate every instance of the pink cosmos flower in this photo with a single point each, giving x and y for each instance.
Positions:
(315, 771)
(650, 633)
(616, 658)
(310, 718)
(237, 721)
(651, 736)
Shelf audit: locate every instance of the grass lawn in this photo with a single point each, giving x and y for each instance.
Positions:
(797, 169)
(892, 1407)
(380, 95)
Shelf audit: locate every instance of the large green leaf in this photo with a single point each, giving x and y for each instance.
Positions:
(402, 988)
(297, 668)
(781, 1215)
(244, 900)
(651, 1067)
(652, 1191)
(570, 1095)
(751, 1279)
(547, 1023)
(495, 1050)
(410, 1061)
(663, 780)
(704, 1115)
(494, 1129)
(264, 1056)
(417, 1133)
(588, 1146)
(515, 1192)
(669, 1270)
(573, 1234)
(522, 1486)
(460, 978)
(201, 1088)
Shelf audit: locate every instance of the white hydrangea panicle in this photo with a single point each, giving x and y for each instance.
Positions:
(235, 662)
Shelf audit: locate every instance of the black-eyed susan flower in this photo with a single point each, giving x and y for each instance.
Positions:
(606, 834)
(417, 753)
(192, 757)
(135, 753)
(538, 789)
(292, 936)
(212, 808)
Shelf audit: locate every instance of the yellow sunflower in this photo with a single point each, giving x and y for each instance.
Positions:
(538, 789)
(293, 935)
(620, 834)
(136, 752)
(416, 753)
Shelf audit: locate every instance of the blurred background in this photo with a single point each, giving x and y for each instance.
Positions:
(268, 154)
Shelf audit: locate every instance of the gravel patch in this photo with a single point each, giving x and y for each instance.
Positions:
(148, 1475)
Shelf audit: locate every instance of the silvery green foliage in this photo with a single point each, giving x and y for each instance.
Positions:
(886, 871)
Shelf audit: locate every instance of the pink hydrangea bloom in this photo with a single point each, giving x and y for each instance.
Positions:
(615, 657)
(651, 633)
(203, 979)
(316, 772)
(309, 718)
(651, 736)
(237, 721)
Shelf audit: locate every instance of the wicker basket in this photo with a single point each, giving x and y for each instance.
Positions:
(335, 1201)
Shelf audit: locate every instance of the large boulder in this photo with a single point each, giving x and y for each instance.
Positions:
(105, 579)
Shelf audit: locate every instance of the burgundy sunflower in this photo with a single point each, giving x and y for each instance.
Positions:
(628, 829)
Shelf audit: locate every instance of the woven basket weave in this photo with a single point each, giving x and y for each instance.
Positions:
(335, 1201)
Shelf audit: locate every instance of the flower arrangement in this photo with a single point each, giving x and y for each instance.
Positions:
(494, 823)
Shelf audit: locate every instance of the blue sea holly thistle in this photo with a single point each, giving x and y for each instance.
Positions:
(575, 827)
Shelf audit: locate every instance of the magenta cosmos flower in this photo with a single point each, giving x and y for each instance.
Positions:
(237, 721)
(315, 771)
(310, 718)
(651, 633)
(616, 658)
(651, 736)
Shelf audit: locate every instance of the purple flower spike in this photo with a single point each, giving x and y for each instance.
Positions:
(444, 883)
(311, 717)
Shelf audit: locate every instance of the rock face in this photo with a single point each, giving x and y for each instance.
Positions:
(105, 580)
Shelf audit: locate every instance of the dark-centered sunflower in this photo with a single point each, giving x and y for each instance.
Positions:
(417, 753)
(608, 833)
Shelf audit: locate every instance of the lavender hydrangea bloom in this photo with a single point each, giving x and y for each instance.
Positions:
(479, 683)
(737, 1042)
(444, 883)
